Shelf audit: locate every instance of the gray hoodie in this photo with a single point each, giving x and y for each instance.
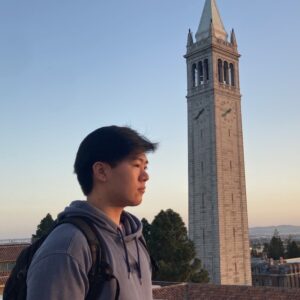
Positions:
(59, 269)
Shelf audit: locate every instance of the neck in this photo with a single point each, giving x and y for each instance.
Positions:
(113, 212)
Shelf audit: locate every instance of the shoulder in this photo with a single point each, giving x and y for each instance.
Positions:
(66, 240)
(59, 269)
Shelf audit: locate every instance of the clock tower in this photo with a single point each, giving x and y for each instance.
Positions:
(218, 222)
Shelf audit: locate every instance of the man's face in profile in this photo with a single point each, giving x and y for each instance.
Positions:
(127, 181)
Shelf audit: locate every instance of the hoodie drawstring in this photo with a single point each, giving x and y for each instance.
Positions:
(127, 257)
(139, 261)
(126, 252)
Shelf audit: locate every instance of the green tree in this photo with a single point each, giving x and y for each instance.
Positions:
(44, 226)
(175, 253)
(293, 249)
(276, 249)
(266, 248)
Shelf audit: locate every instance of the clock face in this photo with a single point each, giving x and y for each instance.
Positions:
(227, 112)
(227, 118)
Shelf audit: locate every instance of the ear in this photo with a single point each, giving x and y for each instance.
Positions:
(100, 171)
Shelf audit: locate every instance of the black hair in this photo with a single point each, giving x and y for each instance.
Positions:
(111, 145)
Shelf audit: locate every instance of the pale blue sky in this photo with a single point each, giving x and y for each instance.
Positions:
(70, 66)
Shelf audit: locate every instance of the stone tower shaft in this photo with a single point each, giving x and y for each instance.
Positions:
(218, 222)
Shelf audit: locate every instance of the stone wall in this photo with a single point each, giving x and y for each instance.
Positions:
(224, 292)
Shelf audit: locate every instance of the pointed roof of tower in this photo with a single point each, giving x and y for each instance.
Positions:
(210, 15)
(233, 38)
(190, 40)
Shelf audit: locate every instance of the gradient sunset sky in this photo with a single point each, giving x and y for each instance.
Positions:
(68, 67)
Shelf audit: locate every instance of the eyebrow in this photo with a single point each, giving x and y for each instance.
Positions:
(140, 159)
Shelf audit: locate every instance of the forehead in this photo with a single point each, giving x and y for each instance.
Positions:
(139, 156)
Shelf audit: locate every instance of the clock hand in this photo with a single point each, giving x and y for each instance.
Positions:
(226, 112)
(200, 113)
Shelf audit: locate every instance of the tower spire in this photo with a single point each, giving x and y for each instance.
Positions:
(233, 38)
(190, 40)
(210, 17)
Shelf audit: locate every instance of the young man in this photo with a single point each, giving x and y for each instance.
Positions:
(111, 167)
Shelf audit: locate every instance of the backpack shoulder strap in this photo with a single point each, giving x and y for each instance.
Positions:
(154, 264)
(88, 231)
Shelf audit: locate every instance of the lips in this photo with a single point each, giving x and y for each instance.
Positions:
(142, 190)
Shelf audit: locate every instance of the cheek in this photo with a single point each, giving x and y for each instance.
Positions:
(125, 182)
(127, 179)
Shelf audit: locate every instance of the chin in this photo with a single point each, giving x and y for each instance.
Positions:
(135, 203)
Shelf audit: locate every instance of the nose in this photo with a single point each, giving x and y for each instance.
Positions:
(144, 176)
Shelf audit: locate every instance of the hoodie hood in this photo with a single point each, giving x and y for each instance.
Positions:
(130, 226)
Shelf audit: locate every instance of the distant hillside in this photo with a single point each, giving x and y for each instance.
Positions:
(269, 230)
